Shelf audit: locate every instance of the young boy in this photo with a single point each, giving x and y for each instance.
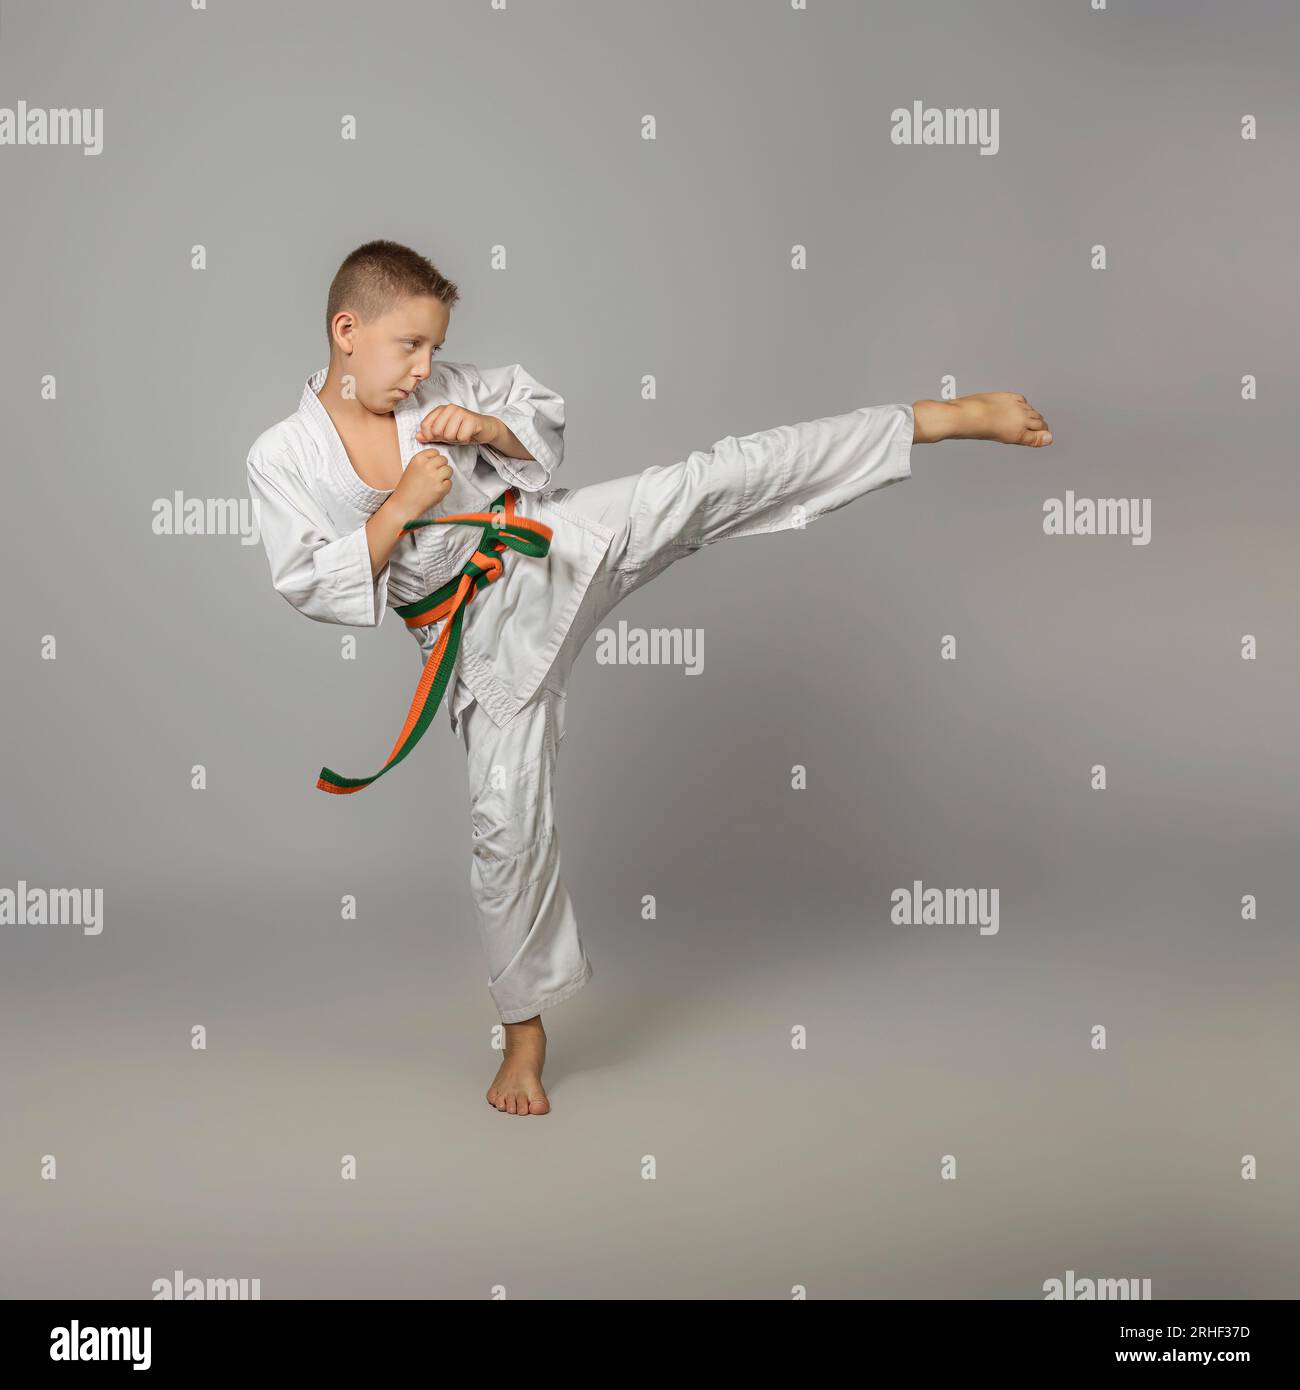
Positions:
(503, 577)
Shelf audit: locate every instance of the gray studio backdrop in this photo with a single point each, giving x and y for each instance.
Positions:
(953, 1126)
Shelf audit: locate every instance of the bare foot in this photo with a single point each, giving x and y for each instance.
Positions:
(516, 1089)
(1002, 416)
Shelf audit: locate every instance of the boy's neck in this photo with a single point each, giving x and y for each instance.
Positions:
(344, 410)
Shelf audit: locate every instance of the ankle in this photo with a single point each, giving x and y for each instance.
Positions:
(525, 1027)
(935, 420)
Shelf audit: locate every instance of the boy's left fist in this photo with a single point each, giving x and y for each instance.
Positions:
(453, 424)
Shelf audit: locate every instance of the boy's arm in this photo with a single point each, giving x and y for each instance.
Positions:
(330, 579)
(533, 413)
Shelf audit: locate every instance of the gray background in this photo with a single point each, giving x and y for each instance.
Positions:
(373, 1037)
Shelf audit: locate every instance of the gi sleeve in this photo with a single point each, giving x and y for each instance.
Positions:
(327, 577)
(535, 415)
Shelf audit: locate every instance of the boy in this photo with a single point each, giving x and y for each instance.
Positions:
(502, 577)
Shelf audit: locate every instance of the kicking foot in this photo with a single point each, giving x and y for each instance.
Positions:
(1002, 416)
(516, 1089)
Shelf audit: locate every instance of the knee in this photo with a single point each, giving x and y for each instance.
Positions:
(511, 826)
(507, 837)
(507, 863)
(512, 801)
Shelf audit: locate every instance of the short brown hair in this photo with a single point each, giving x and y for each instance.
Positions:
(380, 274)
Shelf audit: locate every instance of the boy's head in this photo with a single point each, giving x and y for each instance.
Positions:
(387, 314)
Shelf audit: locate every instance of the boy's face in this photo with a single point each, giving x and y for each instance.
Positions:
(392, 355)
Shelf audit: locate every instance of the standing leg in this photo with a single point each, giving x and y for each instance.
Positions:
(535, 957)
(525, 916)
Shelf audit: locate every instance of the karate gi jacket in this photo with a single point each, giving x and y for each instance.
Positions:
(312, 510)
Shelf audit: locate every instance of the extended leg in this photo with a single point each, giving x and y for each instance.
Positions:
(775, 480)
(782, 478)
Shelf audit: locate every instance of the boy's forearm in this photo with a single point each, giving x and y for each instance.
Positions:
(383, 531)
(507, 442)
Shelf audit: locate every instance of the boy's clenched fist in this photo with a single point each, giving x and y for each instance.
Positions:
(453, 424)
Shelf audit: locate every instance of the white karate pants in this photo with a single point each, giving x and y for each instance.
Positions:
(770, 481)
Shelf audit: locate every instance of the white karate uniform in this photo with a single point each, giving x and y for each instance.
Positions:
(522, 634)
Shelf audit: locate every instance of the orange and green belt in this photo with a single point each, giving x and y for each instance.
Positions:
(502, 530)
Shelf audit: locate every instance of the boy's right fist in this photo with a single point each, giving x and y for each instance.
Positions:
(425, 481)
